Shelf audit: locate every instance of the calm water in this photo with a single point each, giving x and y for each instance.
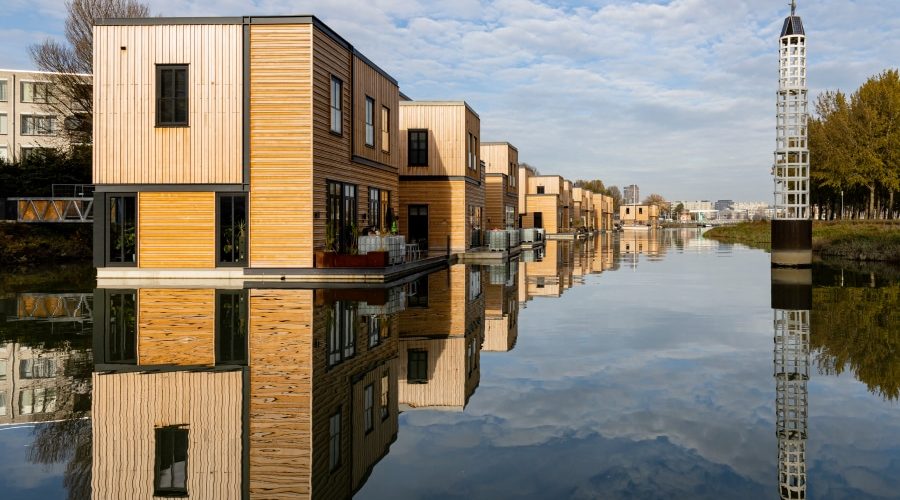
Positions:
(646, 366)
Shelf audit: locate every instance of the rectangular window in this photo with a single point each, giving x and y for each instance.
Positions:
(37, 400)
(379, 208)
(418, 148)
(4, 154)
(3, 404)
(474, 283)
(641, 211)
(4, 90)
(418, 293)
(369, 407)
(337, 115)
(370, 121)
(37, 92)
(334, 440)
(385, 395)
(170, 478)
(231, 327)
(342, 329)
(417, 367)
(37, 368)
(233, 229)
(340, 216)
(38, 125)
(376, 326)
(123, 230)
(385, 129)
(121, 328)
(171, 95)
(540, 190)
(513, 174)
(4, 124)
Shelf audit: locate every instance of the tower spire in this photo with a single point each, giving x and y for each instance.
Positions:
(793, 7)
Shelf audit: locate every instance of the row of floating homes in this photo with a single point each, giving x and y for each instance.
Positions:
(641, 217)
(271, 146)
(261, 389)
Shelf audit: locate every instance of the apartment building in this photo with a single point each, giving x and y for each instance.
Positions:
(27, 120)
(501, 191)
(583, 213)
(442, 181)
(224, 145)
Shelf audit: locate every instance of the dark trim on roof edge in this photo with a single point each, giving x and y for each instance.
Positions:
(374, 164)
(171, 188)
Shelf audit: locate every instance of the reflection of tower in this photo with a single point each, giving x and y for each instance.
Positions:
(791, 302)
(792, 226)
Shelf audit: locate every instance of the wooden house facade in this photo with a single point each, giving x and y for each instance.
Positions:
(546, 202)
(442, 196)
(285, 393)
(222, 144)
(501, 189)
(639, 215)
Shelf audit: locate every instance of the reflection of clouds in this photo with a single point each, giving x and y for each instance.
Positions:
(19, 477)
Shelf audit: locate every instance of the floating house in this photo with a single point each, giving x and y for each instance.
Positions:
(639, 216)
(442, 181)
(501, 191)
(237, 143)
(545, 202)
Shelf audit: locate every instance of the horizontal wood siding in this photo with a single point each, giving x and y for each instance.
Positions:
(126, 408)
(494, 202)
(369, 82)
(128, 147)
(280, 393)
(176, 326)
(474, 194)
(176, 230)
(281, 106)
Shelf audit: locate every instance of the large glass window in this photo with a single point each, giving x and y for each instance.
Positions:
(37, 400)
(37, 368)
(171, 95)
(418, 293)
(171, 461)
(417, 367)
(369, 407)
(4, 124)
(4, 90)
(231, 327)
(342, 330)
(340, 217)
(37, 92)
(38, 125)
(379, 209)
(337, 115)
(370, 121)
(121, 329)
(123, 229)
(385, 129)
(417, 146)
(385, 395)
(233, 229)
(379, 329)
(334, 440)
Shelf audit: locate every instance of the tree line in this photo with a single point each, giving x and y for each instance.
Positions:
(854, 146)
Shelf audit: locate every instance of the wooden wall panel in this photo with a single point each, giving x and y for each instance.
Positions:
(447, 124)
(548, 206)
(280, 390)
(447, 211)
(446, 373)
(494, 198)
(176, 230)
(281, 105)
(369, 82)
(176, 326)
(128, 147)
(127, 407)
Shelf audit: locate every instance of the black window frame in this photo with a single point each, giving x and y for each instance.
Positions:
(540, 190)
(176, 433)
(420, 299)
(232, 331)
(420, 375)
(174, 122)
(384, 402)
(120, 327)
(236, 262)
(108, 251)
(342, 332)
(369, 408)
(334, 441)
(385, 130)
(369, 118)
(336, 125)
(342, 210)
(417, 157)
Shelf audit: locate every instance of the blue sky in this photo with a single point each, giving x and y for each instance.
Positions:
(675, 96)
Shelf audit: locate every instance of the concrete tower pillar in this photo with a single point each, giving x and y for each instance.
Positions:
(792, 225)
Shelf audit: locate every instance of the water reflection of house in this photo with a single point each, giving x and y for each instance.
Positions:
(552, 274)
(603, 253)
(39, 385)
(224, 393)
(632, 243)
(501, 307)
(441, 333)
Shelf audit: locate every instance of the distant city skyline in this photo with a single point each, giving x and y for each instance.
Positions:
(676, 97)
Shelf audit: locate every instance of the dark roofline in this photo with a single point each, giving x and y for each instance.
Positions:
(246, 20)
(495, 143)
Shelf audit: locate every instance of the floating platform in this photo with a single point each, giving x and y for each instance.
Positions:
(484, 256)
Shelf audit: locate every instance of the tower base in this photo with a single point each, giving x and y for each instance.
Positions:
(791, 243)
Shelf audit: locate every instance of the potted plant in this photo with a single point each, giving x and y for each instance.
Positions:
(326, 257)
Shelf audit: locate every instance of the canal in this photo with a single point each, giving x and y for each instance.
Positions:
(641, 365)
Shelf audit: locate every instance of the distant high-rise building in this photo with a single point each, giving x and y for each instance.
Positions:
(724, 204)
(632, 195)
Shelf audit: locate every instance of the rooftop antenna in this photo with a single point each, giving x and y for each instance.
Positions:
(793, 7)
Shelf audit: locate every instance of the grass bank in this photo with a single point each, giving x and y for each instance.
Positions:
(31, 245)
(854, 240)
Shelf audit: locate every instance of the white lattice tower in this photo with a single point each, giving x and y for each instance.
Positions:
(791, 167)
(791, 377)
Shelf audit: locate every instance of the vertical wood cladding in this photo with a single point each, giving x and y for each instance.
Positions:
(281, 145)
(176, 230)
(128, 147)
(126, 408)
(176, 326)
(448, 125)
(502, 158)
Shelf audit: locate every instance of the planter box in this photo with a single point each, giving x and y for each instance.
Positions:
(324, 259)
(331, 259)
